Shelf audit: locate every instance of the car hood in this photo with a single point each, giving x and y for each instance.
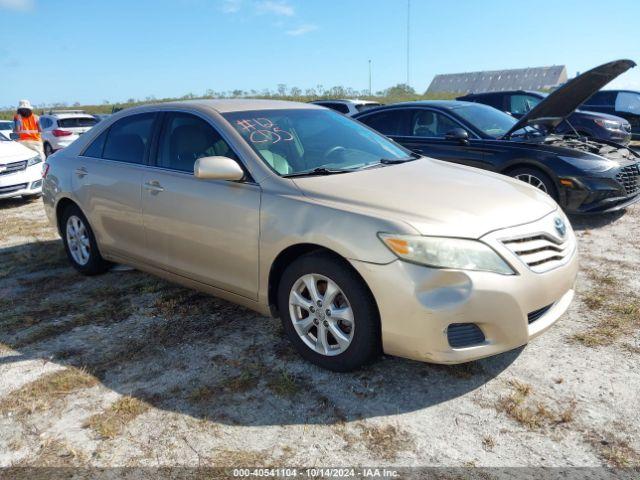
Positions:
(596, 115)
(560, 103)
(434, 197)
(14, 152)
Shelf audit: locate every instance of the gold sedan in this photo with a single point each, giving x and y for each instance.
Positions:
(291, 209)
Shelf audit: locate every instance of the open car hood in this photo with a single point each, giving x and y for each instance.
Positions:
(563, 101)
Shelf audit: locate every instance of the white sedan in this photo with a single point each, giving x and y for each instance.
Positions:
(20, 170)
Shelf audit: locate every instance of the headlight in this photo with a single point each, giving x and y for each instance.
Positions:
(443, 252)
(34, 161)
(608, 124)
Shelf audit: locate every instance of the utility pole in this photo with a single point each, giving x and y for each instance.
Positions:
(408, 38)
(369, 77)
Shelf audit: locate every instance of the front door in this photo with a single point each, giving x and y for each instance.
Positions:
(426, 136)
(206, 230)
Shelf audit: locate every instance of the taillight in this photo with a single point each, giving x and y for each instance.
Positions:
(45, 170)
(61, 133)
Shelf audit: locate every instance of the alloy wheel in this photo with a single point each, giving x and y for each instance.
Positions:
(321, 314)
(78, 240)
(533, 181)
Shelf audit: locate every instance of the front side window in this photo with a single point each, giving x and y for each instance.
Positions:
(186, 138)
(129, 138)
(522, 104)
(427, 123)
(294, 141)
(628, 102)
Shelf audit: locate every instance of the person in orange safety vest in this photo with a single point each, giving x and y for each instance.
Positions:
(26, 125)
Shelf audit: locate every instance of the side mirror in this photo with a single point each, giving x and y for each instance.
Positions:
(217, 168)
(459, 134)
(14, 136)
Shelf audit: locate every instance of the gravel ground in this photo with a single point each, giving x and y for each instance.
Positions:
(127, 370)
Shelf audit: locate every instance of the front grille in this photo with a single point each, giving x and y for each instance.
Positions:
(541, 252)
(464, 335)
(629, 177)
(12, 188)
(13, 167)
(536, 314)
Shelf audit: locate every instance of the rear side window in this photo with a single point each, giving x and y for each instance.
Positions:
(129, 138)
(388, 123)
(186, 138)
(628, 102)
(96, 147)
(76, 122)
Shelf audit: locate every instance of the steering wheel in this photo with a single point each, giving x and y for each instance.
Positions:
(333, 150)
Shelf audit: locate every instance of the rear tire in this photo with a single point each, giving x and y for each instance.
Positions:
(80, 243)
(47, 150)
(341, 334)
(536, 178)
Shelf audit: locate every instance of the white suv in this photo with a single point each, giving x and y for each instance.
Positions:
(61, 127)
(20, 170)
(349, 106)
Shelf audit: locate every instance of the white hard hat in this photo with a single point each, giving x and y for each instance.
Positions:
(25, 104)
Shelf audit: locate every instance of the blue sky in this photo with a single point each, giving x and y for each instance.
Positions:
(90, 51)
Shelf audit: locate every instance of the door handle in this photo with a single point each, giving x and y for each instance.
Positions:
(154, 187)
(81, 172)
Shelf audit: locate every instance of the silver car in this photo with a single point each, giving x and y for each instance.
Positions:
(295, 210)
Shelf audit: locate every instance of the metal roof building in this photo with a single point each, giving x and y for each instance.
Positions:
(499, 80)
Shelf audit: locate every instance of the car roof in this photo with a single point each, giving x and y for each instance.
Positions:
(237, 105)
(431, 103)
(504, 92)
(352, 101)
(61, 116)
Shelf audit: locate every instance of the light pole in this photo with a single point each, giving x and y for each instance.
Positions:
(408, 37)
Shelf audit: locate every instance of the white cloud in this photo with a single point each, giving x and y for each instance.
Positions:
(302, 30)
(22, 5)
(229, 6)
(276, 7)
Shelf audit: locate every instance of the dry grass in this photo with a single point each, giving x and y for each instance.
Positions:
(521, 406)
(616, 452)
(617, 312)
(39, 394)
(384, 442)
(284, 384)
(109, 424)
(488, 443)
(53, 453)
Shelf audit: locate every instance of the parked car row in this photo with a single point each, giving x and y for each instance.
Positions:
(582, 175)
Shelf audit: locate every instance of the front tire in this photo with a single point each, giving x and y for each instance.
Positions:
(80, 243)
(328, 313)
(536, 178)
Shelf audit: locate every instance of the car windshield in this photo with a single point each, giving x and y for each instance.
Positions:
(491, 121)
(296, 141)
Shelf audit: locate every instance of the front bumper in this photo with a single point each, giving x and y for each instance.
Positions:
(417, 304)
(24, 182)
(597, 195)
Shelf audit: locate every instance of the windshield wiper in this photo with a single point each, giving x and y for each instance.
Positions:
(317, 171)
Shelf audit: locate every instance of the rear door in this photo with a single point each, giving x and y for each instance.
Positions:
(206, 230)
(107, 182)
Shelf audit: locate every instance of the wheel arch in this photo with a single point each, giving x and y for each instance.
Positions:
(289, 255)
(61, 206)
